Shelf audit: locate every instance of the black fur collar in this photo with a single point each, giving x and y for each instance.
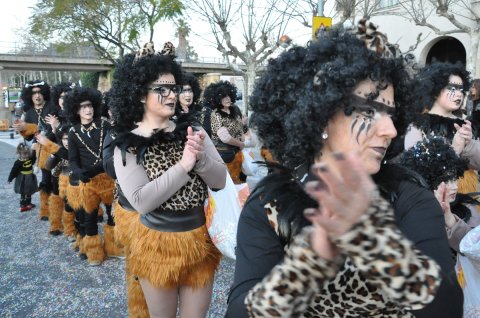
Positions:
(437, 125)
(235, 112)
(128, 141)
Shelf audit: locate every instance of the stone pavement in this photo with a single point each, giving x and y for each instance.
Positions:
(41, 276)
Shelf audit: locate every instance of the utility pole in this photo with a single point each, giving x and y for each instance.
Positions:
(320, 5)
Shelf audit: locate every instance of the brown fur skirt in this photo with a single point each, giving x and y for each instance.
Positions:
(170, 259)
(62, 185)
(125, 222)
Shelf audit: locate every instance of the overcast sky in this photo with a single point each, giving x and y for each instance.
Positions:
(14, 16)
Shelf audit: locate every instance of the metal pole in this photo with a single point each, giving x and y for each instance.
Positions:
(320, 5)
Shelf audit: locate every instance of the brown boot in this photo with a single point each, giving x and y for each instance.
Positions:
(55, 205)
(94, 249)
(112, 248)
(43, 213)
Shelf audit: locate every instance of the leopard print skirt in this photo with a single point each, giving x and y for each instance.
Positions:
(170, 259)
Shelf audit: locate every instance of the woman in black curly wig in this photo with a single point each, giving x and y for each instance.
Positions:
(331, 104)
(440, 89)
(163, 169)
(227, 125)
(436, 161)
(189, 95)
(89, 184)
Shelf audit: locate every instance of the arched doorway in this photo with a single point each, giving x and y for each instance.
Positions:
(447, 49)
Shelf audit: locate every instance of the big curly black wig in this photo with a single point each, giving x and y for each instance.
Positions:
(215, 92)
(130, 85)
(430, 81)
(58, 89)
(304, 88)
(73, 98)
(435, 160)
(27, 93)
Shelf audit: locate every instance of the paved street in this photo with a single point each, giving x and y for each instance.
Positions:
(41, 276)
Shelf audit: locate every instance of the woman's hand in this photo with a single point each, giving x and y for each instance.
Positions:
(342, 198)
(193, 148)
(53, 121)
(441, 193)
(18, 125)
(41, 139)
(196, 141)
(462, 137)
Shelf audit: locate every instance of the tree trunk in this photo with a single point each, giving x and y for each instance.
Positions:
(473, 55)
(249, 83)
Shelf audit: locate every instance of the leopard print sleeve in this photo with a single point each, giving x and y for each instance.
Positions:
(287, 290)
(379, 251)
(388, 260)
(216, 124)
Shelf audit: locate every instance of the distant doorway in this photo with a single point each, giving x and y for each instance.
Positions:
(448, 49)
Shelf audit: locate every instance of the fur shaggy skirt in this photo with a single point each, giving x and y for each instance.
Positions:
(170, 259)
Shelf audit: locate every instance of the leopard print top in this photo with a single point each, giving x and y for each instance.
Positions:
(234, 126)
(158, 159)
(379, 274)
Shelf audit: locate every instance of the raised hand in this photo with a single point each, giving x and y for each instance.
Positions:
(41, 139)
(18, 125)
(441, 193)
(462, 137)
(190, 151)
(343, 197)
(53, 121)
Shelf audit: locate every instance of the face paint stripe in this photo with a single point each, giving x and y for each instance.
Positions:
(360, 129)
(354, 122)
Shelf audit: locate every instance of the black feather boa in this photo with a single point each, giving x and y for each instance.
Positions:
(130, 142)
(437, 125)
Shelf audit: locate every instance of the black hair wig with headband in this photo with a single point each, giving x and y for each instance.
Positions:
(78, 95)
(304, 88)
(58, 89)
(133, 75)
(27, 93)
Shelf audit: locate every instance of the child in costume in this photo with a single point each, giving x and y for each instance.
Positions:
(38, 114)
(25, 179)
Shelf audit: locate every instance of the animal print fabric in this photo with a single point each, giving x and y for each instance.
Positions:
(378, 274)
(158, 159)
(234, 126)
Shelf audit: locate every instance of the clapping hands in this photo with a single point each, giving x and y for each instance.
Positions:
(462, 137)
(193, 150)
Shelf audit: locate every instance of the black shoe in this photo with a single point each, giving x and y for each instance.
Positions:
(44, 218)
(55, 233)
(82, 256)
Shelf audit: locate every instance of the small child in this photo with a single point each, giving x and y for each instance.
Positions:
(25, 180)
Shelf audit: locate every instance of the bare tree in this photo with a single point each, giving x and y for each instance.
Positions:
(463, 15)
(246, 32)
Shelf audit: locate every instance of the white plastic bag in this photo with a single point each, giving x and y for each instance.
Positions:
(468, 272)
(222, 211)
(253, 171)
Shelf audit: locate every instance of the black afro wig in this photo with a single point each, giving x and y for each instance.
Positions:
(304, 88)
(58, 89)
(78, 95)
(27, 93)
(130, 85)
(435, 160)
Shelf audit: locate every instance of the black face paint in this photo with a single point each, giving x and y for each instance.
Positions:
(367, 109)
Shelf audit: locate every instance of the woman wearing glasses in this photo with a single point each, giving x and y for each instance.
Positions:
(163, 169)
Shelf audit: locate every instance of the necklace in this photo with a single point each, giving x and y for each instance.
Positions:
(87, 130)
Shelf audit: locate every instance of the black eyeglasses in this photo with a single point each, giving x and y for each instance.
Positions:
(164, 90)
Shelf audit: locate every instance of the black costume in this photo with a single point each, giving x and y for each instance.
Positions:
(25, 180)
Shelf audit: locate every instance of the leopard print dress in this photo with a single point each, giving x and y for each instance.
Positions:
(234, 126)
(169, 259)
(379, 274)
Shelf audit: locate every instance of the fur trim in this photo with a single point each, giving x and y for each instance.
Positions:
(469, 182)
(43, 204)
(93, 246)
(73, 197)
(79, 244)
(50, 147)
(63, 184)
(29, 131)
(112, 248)
(55, 206)
(170, 259)
(137, 306)
(97, 190)
(437, 125)
(42, 157)
(235, 167)
(267, 155)
(125, 222)
(138, 144)
(68, 225)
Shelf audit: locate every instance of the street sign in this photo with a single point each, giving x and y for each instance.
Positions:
(320, 24)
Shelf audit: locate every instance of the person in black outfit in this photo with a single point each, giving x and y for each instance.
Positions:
(37, 114)
(298, 105)
(89, 184)
(25, 179)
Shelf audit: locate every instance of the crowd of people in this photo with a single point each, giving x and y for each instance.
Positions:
(372, 180)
